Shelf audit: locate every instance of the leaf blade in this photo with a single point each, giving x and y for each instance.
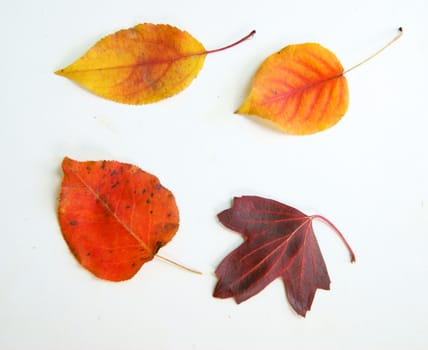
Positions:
(300, 88)
(140, 65)
(284, 246)
(114, 217)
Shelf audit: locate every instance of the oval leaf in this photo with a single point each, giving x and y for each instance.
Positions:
(114, 216)
(301, 88)
(140, 65)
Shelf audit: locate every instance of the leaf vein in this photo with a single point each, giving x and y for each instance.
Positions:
(111, 212)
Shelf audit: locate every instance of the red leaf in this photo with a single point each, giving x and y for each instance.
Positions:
(279, 242)
(114, 216)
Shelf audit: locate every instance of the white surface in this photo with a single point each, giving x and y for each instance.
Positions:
(368, 174)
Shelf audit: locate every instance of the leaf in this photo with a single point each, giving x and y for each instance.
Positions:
(279, 242)
(301, 88)
(114, 216)
(140, 65)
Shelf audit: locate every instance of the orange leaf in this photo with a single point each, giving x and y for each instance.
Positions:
(301, 88)
(140, 65)
(114, 216)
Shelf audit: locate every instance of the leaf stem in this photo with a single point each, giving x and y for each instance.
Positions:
(232, 45)
(398, 36)
(329, 223)
(169, 261)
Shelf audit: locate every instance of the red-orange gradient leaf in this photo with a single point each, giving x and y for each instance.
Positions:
(114, 216)
(300, 88)
(279, 243)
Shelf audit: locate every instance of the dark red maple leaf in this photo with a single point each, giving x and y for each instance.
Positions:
(279, 242)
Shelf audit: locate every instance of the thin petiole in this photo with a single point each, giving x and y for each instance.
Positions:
(248, 36)
(398, 36)
(169, 261)
(329, 223)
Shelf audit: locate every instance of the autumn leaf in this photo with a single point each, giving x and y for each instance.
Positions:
(279, 242)
(140, 65)
(301, 88)
(114, 216)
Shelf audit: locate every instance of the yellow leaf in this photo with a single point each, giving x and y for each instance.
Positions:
(143, 64)
(140, 65)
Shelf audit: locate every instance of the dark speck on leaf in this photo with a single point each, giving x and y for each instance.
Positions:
(148, 201)
(73, 223)
(115, 184)
(114, 172)
(103, 164)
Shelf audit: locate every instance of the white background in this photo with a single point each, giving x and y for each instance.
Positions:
(368, 174)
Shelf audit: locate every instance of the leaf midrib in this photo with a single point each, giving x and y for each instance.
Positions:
(136, 64)
(112, 213)
(300, 89)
